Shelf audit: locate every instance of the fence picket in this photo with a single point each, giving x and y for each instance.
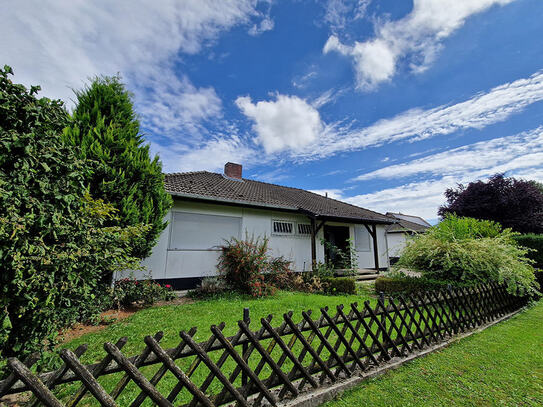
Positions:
(348, 343)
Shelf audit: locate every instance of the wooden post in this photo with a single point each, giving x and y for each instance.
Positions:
(375, 247)
(245, 346)
(313, 244)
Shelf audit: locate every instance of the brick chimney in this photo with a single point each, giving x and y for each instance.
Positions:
(233, 170)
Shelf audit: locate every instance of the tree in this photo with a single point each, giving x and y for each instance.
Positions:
(54, 246)
(106, 131)
(515, 204)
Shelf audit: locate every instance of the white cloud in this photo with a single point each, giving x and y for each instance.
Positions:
(60, 44)
(414, 39)
(210, 155)
(423, 198)
(416, 124)
(287, 122)
(339, 13)
(324, 98)
(301, 82)
(266, 24)
(330, 193)
(417, 198)
(509, 153)
(520, 156)
(175, 105)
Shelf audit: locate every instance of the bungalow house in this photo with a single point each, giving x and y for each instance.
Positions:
(398, 234)
(209, 208)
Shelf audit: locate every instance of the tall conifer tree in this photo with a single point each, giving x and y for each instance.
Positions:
(106, 130)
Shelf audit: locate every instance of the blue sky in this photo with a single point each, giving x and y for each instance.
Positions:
(382, 103)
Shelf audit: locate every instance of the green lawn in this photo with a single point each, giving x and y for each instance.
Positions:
(171, 319)
(501, 366)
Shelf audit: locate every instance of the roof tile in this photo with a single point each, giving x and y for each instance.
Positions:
(211, 185)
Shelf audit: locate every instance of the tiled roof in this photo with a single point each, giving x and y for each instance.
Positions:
(403, 225)
(209, 185)
(409, 218)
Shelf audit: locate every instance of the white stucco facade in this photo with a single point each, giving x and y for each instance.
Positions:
(188, 246)
(396, 242)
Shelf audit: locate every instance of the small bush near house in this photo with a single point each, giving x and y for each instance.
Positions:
(401, 284)
(470, 251)
(338, 285)
(243, 263)
(131, 292)
(209, 287)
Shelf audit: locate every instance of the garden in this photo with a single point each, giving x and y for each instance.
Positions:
(81, 199)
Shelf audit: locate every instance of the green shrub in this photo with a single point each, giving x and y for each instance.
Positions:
(244, 263)
(338, 285)
(129, 292)
(324, 270)
(54, 245)
(534, 242)
(408, 284)
(209, 287)
(472, 251)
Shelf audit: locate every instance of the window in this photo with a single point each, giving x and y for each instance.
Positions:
(193, 231)
(361, 238)
(304, 229)
(282, 227)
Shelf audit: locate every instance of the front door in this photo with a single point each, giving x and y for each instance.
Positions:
(336, 246)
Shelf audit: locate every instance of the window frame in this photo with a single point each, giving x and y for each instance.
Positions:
(298, 224)
(292, 233)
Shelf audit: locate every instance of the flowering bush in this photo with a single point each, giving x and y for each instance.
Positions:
(243, 263)
(129, 291)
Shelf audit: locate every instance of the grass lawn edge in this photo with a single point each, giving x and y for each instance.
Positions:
(324, 394)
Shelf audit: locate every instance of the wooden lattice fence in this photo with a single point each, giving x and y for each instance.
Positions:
(263, 366)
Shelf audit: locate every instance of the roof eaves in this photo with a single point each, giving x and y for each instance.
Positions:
(232, 201)
(353, 219)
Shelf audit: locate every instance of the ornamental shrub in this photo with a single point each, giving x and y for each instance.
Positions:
(398, 284)
(54, 245)
(244, 263)
(338, 285)
(129, 292)
(472, 251)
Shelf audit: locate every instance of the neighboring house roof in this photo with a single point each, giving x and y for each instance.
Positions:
(405, 223)
(409, 218)
(217, 187)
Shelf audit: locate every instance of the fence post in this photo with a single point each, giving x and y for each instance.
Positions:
(383, 316)
(245, 346)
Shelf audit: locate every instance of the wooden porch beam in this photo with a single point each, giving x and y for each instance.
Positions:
(314, 230)
(313, 244)
(375, 248)
(373, 233)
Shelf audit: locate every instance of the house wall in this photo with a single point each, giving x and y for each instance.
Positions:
(396, 242)
(167, 262)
